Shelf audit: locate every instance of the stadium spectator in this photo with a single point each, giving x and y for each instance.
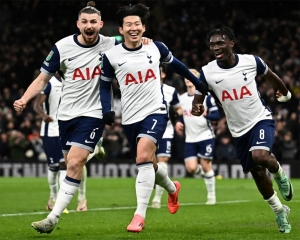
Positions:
(288, 147)
(225, 150)
(4, 147)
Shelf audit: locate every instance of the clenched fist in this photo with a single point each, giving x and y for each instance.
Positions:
(197, 109)
(19, 105)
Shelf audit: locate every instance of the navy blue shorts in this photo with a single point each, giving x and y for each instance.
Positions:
(83, 132)
(152, 127)
(261, 136)
(164, 148)
(53, 151)
(203, 149)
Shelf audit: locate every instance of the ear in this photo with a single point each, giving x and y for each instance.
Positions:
(101, 24)
(231, 44)
(121, 30)
(77, 23)
(144, 28)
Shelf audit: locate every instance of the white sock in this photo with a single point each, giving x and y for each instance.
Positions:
(275, 203)
(158, 189)
(279, 173)
(82, 186)
(62, 176)
(52, 180)
(65, 194)
(162, 179)
(210, 182)
(144, 186)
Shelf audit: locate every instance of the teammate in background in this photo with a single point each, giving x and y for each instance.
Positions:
(231, 78)
(46, 105)
(79, 113)
(163, 152)
(144, 110)
(199, 138)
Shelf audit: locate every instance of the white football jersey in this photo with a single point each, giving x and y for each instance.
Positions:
(80, 65)
(138, 74)
(53, 91)
(172, 100)
(236, 90)
(196, 128)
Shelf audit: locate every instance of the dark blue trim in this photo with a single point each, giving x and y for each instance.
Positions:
(73, 180)
(236, 62)
(260, 66)
(132, 49)
(162, 48)
(105, 96)
(85, 46)
(144, 163)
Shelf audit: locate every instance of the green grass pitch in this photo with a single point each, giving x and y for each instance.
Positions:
(239, 214)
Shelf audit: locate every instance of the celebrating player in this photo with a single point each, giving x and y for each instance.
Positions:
(199, 138)
(144, 110)
(231, 78)
(163, 152)
(80, 112)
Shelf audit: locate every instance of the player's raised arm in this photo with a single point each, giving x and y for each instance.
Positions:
(180, 68)
(33, 90)
(105, 91)
(278, 84)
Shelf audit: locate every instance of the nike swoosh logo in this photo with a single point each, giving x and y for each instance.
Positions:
(142, 181)
(151, 132)
(217, 82)
(120, 64)
(259, 142)
(68, 193)
(86, 141)
(290, 196)
(70, 59)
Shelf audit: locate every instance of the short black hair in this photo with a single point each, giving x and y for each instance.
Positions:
(133, 10)
(90, 9)
(222, 31)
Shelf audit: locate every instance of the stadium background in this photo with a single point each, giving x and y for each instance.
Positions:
(29, 29)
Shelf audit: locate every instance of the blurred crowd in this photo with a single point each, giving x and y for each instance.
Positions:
(29, 29)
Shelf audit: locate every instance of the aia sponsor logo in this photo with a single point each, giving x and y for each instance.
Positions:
(86, 74)
(139, 77)
(235, 94)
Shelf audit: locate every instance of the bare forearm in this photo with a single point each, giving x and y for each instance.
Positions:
(34, 89)
(276, 82)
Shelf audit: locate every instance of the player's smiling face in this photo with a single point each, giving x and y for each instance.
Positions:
(132, 31)
(89, 26)
(221, 47)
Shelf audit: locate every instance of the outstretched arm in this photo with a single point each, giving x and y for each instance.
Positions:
(284, 94)
(33, 90)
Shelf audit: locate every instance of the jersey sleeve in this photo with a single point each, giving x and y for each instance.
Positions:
(261, 66)
(175, 99)
(107, 71)
(213, 113)
(202, 81)
(52, 62)
(47, 89)
(106, 78)
(166, 55)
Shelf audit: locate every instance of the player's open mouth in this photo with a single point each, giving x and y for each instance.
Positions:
(134, 35)
(218, 55)
(89, 34)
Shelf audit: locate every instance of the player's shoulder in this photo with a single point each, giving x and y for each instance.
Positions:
(65, 41)
(183, 96)
(246, 56)
(210, 65)
(105, 39)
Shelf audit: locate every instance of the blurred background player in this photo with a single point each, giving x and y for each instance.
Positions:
(231, 78)
(144, 110)
(199, 138)
(46, 105)
(163, 152)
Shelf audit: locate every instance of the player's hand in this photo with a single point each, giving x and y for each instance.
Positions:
(46, 118)
(146, 41)
(281, 98)
(108, 118)
(197, 109)
(179, 127)
(204, 113)
(19, 105)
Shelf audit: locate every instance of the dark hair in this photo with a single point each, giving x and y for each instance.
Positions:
(222, 31)
(90, 9)
(133, 10)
